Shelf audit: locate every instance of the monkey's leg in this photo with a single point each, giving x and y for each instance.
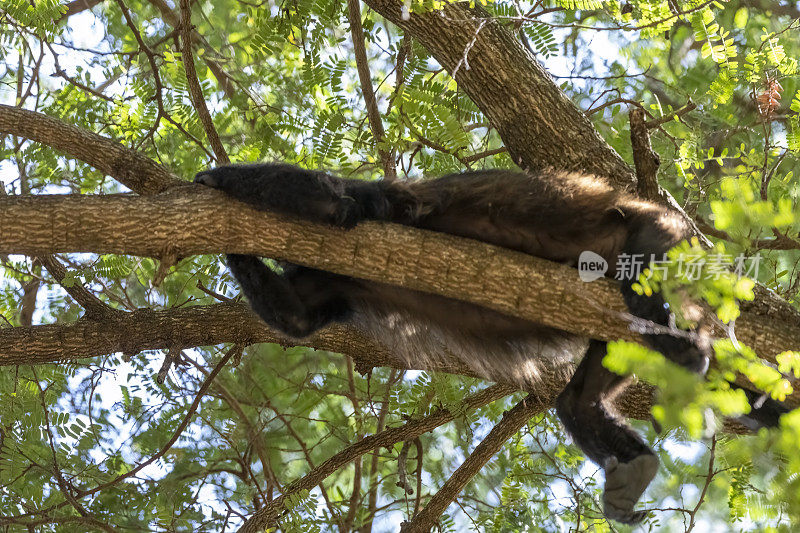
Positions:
(287, 189)
(297, 302)
(585, 409)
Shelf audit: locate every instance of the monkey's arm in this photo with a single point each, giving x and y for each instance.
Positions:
(315, 196)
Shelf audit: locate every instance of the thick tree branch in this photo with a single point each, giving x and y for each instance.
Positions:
(205, 325)
(147, 329)
(204, 221)
(130, 167)
(200, 221)
(539, 125)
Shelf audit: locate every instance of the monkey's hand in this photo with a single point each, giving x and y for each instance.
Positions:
(625, 483)
(286, 189)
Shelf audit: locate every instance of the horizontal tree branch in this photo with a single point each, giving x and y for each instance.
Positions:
(184, 327)
(192, 221)
(205, 325)
(201, 221)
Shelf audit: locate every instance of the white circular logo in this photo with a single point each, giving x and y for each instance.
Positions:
(591, 266)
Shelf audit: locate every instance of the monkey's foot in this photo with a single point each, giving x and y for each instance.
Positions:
(625, 484)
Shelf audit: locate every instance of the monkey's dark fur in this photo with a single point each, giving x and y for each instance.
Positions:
(554, 216)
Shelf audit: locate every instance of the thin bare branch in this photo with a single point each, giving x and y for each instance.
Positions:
(268, 515)
(175, 434)
(365, 78)
(656, 122)
(195, 91)
(511, 422)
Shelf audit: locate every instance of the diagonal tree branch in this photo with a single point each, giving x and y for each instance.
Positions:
(94, 307)
(511, 422)
(365, 78)
(130, 167)
(195, 91)
(225, 81)
(265, 517)
(538, 123)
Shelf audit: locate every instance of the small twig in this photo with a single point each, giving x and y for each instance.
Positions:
(403, 54)
(467, 49)
(768, 176)
(168, 259)
(418, 473)
(372, 475)
(482, 155)
(159, 89)
(66, 488)
(656, 122)
(61, 73)
(215, 295)
(173, 357)
(201, 392)
(709, 476)
(401, 469)
(780, 242)
(615, 101)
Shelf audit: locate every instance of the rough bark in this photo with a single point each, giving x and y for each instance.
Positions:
(769, 322)
(538, 123)
(204, 325)
(645, 160)
(130, 167)
(540, 126)
(194, 221)
(203, 221)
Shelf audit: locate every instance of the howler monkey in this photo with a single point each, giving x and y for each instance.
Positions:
(554, 216)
